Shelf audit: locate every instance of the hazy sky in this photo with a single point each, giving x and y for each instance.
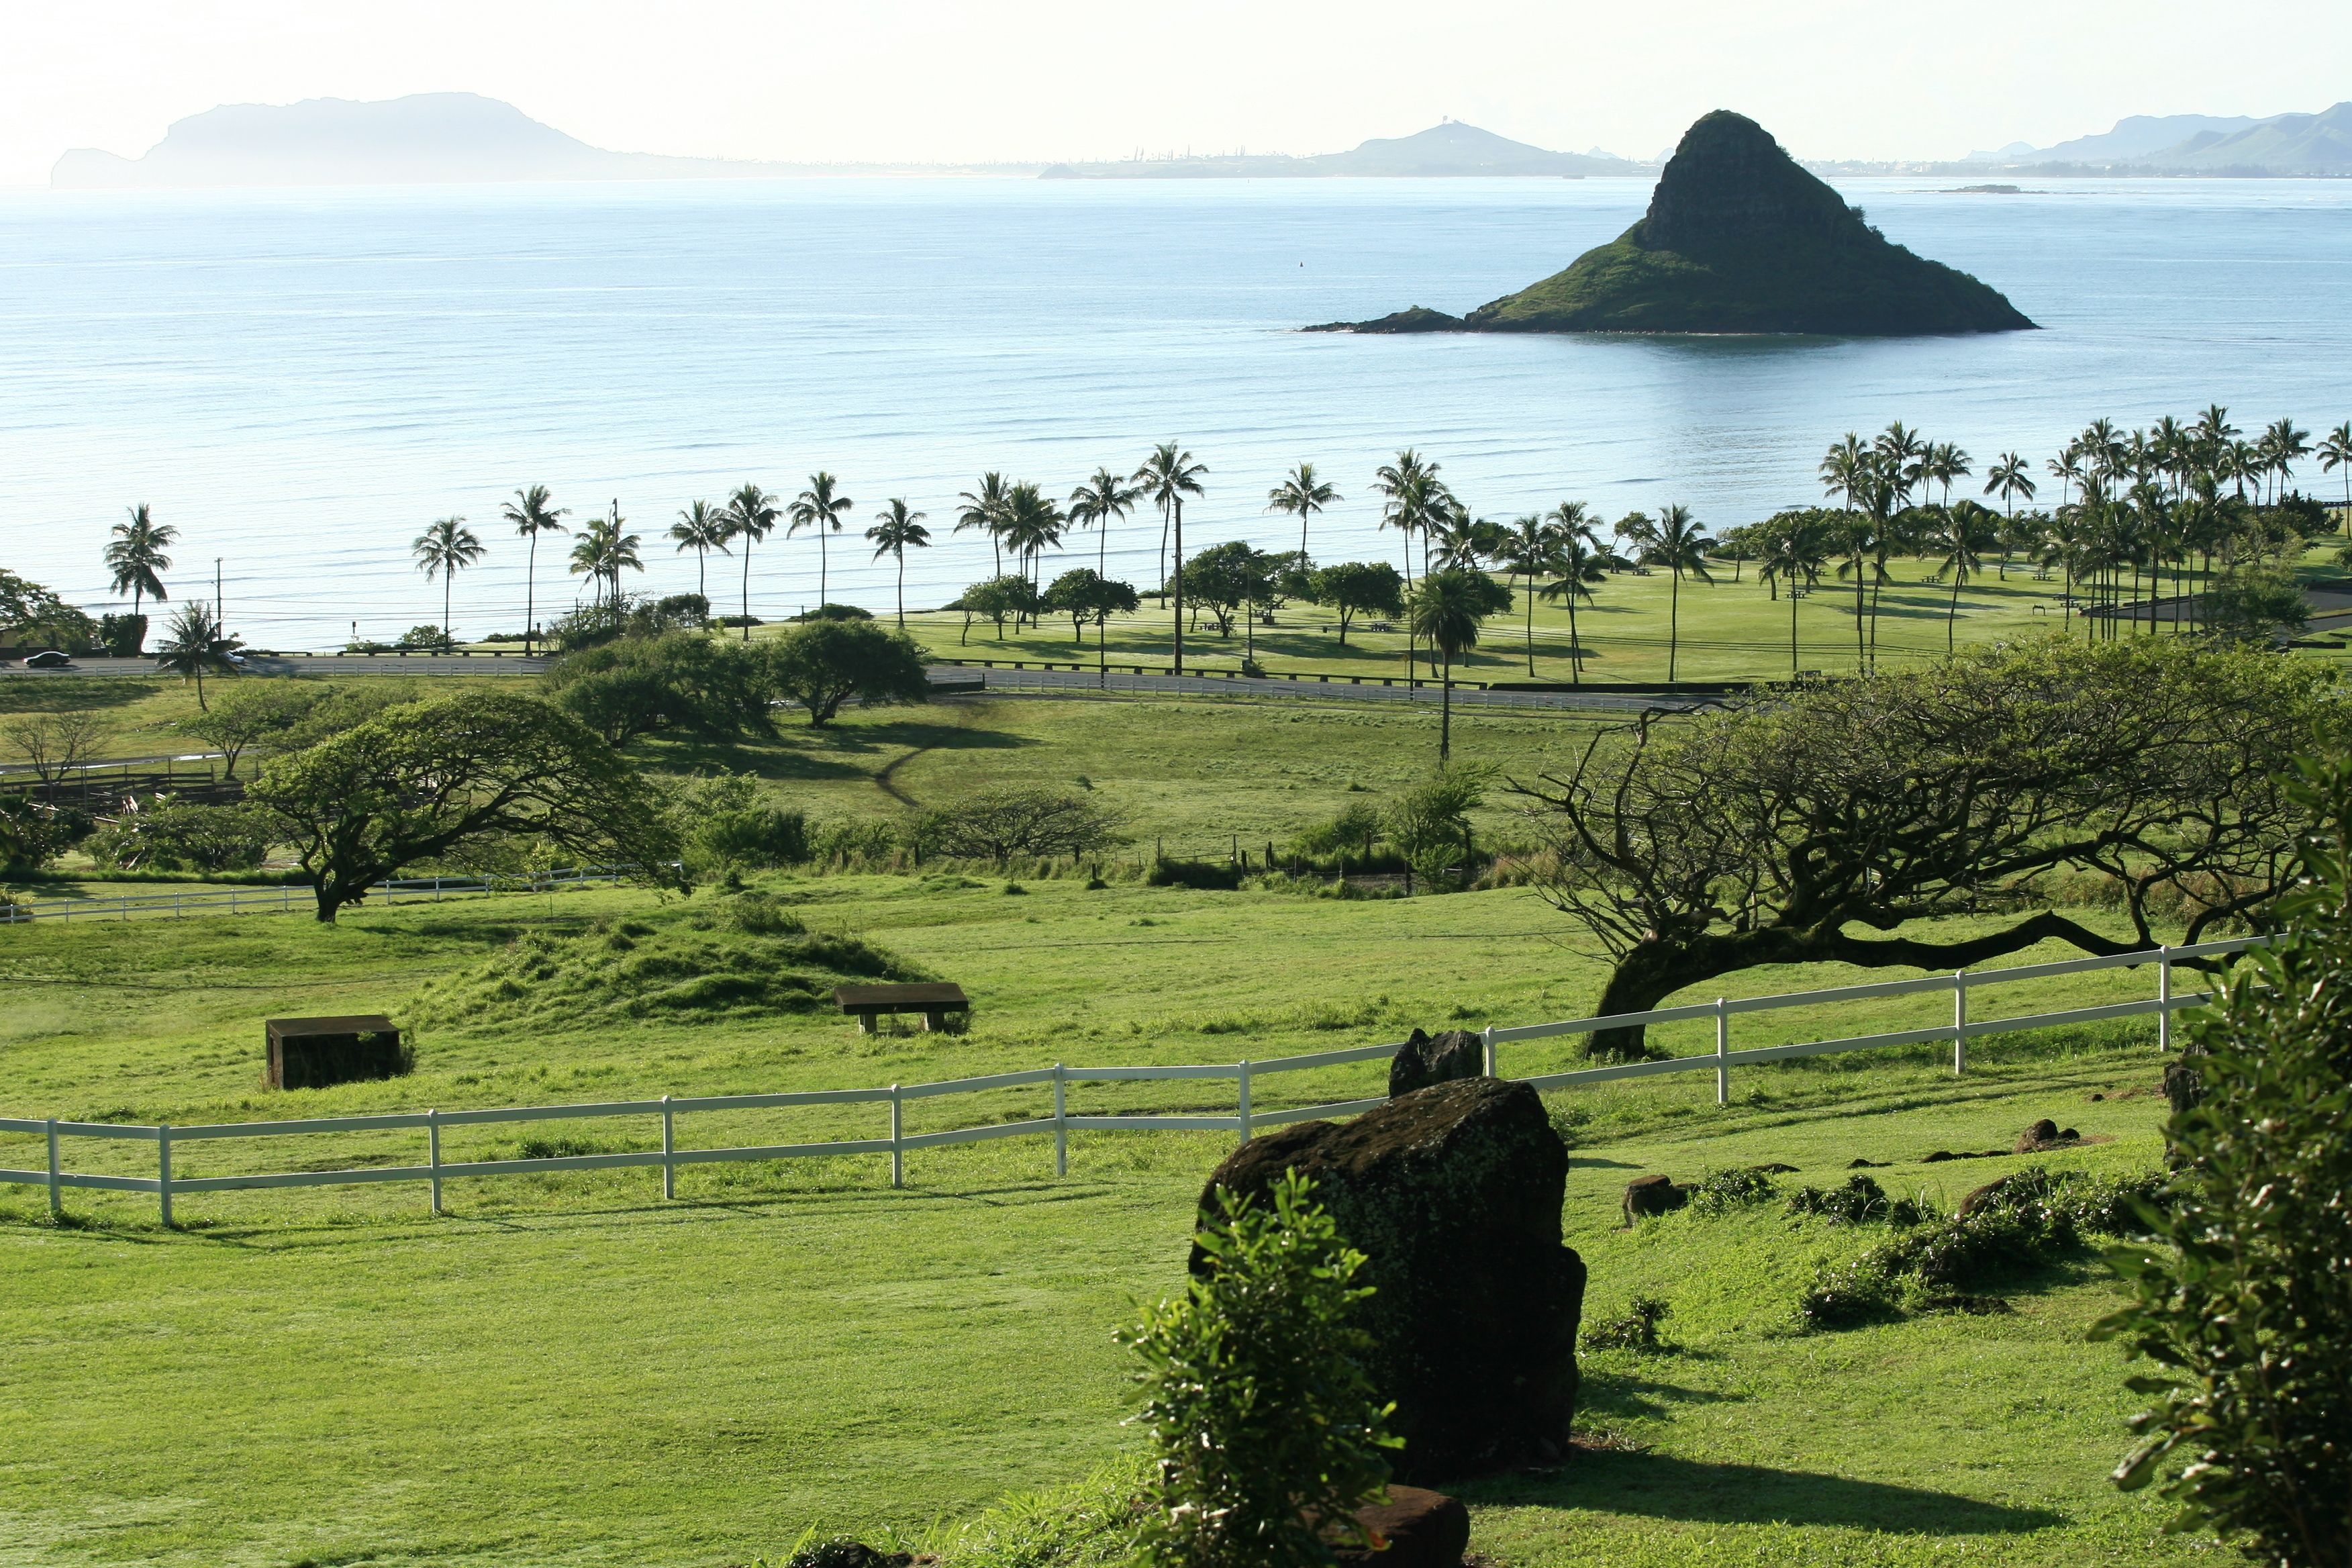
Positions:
(934, 79)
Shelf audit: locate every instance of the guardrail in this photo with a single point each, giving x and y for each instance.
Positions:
(1431, 681)
(1245, 1120)
(288, 897)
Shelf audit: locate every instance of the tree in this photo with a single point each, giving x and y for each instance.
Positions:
(1448, 609)
(1958, 543)
(822, 664)
(701, 527)
(1768, 830)
(998, 824)
(752, 515)
(895, 529)
(1167, 477)
(2334, 452)
(531, 517)
(1267, 1432)
(1430, 823)
(2243, 1302)
(983, 510)
(1223, 578)
(679, 680)
(135, 559)
(442, 551)
(54, 744)
(2011, 478)
(249, 717)
(1412, 499)
(603, 553)
(1530, 550)
(1030, 524)
(998, 597)
(1301, 495)
(1350, 588)
(1097, 504)
(1794, 550)
(197, 645)
(1084, 595)
(1679, 544)
(818, 507)
(429, 779)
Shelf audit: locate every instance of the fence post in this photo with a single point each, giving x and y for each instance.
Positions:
(898, 1135)
(1722, 1053)
(1959, 1022)
(1061, 1123)
(57, 1185)
(1244, 1102)
(163, 1170)
(433, 1152)
(2163, 1000)
(669, 1150)
(1487, 1052)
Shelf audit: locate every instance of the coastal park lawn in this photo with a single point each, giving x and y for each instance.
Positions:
(567, 1370)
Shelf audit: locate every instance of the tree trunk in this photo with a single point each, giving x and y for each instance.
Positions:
(1177, 581)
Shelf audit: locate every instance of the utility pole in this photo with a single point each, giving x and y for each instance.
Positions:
(220, 615)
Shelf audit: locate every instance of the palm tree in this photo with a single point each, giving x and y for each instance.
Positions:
(1961, 538)
(1032, 525)
(443, 550)
(701, 527)
(751, 513)
(1167, 477)
(197, 644)
(1530, 548)
(982, 510)
(531, 517)
(817, 507)
(2336, 452)
(1303, 494)
(136, 555)
(1413, 497)
(1445, 615)
(895, 528)
(1794, 553)
(2282, 444)
(2010, 478)
(1578, 565)
(1679, 544)
(603, 553)
(1097, 504)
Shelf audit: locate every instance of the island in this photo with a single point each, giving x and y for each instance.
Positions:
(1738, 239)
(1449, 150)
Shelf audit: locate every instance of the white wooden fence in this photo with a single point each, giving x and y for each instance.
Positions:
(1059, 1125)
(289, 898)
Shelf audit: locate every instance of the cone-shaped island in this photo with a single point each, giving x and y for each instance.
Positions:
(1738, 238)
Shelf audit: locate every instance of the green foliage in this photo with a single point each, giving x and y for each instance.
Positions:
(2246, 1304)
(424, 639)
(834, 613)
(996, 824)
(1720, 1191)
(726, 825)
(1011, 595)
(754, 960)
(174, 835)
(1265, 1432)
(1635, 1328)
(1352, 588)
(822, 664)
(1091, 1524)
(122, 635)
(260, 715)
(1430, 823)
(31, 834)
(680, 681)
(2255, 604)
(33, 618)
(1223, 579)
(1086, 596)
(1355, 829)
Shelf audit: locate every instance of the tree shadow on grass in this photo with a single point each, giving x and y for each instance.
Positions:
(834, 753)
(1662, 1486)
(48, 694)
(1616, 1396)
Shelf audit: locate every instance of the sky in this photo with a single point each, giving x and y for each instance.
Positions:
(935, 81)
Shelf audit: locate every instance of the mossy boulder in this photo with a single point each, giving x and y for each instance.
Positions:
(1452, 1194)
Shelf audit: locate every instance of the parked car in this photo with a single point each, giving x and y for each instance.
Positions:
(47, 658)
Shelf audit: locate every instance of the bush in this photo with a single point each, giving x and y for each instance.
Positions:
(679, 680)
(1429, 823)
(726, 826)
(31, 834)
(1211, 876)
(1353, 831)
(124, 637)
(171, 836)
(834, 613)
(1635, 1329)
(996, 824)
(2246, 1306)
(1265, 1431)
(1720, 1191)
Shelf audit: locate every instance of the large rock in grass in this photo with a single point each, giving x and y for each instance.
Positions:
(1442, 1057)
(1453, 1192)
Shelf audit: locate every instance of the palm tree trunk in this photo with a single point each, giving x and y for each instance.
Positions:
(747, 587)
(1674, 622)
(1953, 613)
(448, 581)
(1575, 649)
(530, 577)
(1792, 629)
(902, 587)
(1858, 660)
(1445, 710)
(1178, 582)
(702, 576)
(822, 557)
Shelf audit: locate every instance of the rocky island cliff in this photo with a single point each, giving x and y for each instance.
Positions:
(1738, 239)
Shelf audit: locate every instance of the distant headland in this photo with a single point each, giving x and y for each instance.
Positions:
(1738, 239)
(1450, 149)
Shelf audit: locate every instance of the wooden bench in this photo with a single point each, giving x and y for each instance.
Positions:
(933, 999)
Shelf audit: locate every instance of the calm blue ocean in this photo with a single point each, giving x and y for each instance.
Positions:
(301, 381)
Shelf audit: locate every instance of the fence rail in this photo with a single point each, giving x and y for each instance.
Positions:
(1244, 1120)
(288, 897)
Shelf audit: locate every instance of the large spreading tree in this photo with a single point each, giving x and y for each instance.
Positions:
(430, 780)
(1819, 825)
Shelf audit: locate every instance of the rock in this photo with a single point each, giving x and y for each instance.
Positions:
(1739, 238)
(1653, 1195)
(1442, 1057)
(1865, 1164)
(2184, 1086)
(846, 1553)
(2041, 1131)
(1423, 1529)
(1452, 1194)
(1420, 319)
(2045, 1134)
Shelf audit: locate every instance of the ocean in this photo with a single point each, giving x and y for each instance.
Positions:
(301, 381)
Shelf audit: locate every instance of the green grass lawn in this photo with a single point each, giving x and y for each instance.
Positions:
(567, 1370)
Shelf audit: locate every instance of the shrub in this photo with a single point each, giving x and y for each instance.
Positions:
(1859, 1200)
(1429, 823)
(1720, 1191)
(1265, 1432)
(726, 826)
(1220, 875)
(171, 836)
(1354, 831)
(2246, 1306)
(996, 824)
(31, 834)
(834, 613)
(1635, 1329)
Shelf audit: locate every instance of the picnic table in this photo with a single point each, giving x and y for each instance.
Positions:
(933, 999)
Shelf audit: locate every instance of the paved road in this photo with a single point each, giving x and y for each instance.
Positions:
(317, 664)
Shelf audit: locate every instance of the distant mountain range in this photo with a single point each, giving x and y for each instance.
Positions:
(1450, 149)
(2198, 145)
(428, 138)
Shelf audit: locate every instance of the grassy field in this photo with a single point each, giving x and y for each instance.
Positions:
(565, 1370)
